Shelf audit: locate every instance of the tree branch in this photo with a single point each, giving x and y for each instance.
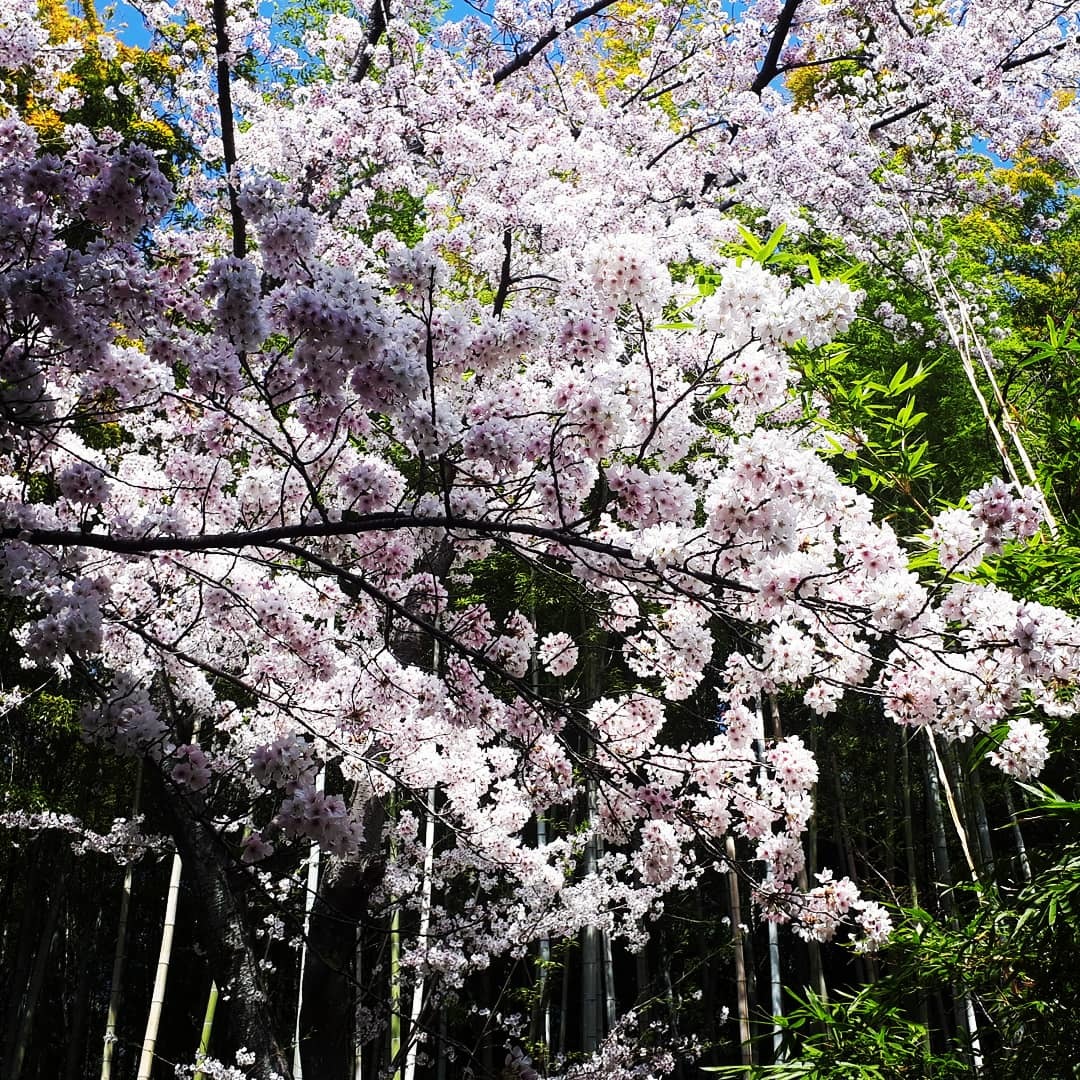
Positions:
(504, 276)
(232, 541)
(1006, 65)
(542, 42)
(688, 134)
(1019, 61)
(380, 11)
(885, 121)
(769, 66)
(385, 522)
(228, 127)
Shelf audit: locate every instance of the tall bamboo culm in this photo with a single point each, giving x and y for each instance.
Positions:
(121, 946)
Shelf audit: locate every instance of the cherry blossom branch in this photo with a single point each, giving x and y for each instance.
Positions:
(380, 9)
(504, 275)
(266, 537)
(228, 128)
(688, 134)
(769, 66)
(523, 59)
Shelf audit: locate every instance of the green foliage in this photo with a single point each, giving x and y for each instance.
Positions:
(1052, 366)
(1014, 958)
(1028, 238)
(855, 1036)
(1047, 571)
(399, 213)
(873, 429)
(295, 20)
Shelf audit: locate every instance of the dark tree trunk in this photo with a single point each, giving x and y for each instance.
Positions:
(331, 992)
(226, 936)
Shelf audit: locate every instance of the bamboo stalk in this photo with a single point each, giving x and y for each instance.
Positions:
(813, 948)
(17, 1054)
(982, 824)
(417, 1006)
(207, 1029)
(1018, 836)
(741, 990)
(121, 943)
(74, 1067)
(395, 991)
(157, 1000)
(309, 902)
(425, 925)
(935, 776)
(954, 812)
(963, 339)
(541, 1024)
(610, 1005)
(358, 1006)
(541, 1021)
(909, 833)
(776, 999)
(591, 938)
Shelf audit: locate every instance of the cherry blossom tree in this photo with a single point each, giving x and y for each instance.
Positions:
(452, 305)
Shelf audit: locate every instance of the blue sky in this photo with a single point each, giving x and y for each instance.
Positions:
(128, 24)
(130, 27)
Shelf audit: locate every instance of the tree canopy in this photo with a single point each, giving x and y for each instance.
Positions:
(467, 465)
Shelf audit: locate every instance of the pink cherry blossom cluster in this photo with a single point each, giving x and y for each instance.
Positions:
(651, 498)
(287, 762)
(72, 622)
(558, 654)
(320, 817)
(286, 241)
(998, 513)
(191, 767)
(126, 719)
(84, 483)
(129, 195)
(831, 903)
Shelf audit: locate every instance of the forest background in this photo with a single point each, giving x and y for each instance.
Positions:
(502, 568)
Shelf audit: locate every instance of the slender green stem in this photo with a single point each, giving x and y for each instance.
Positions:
(207, 1030)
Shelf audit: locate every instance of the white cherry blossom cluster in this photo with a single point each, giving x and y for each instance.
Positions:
(238, 311)
(125, 842)
(558, 653)
(21, 34)
(1023, 751)
(998, 513)
(213, 1069)
(831, 903)
(625, 270)
(751, 301)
